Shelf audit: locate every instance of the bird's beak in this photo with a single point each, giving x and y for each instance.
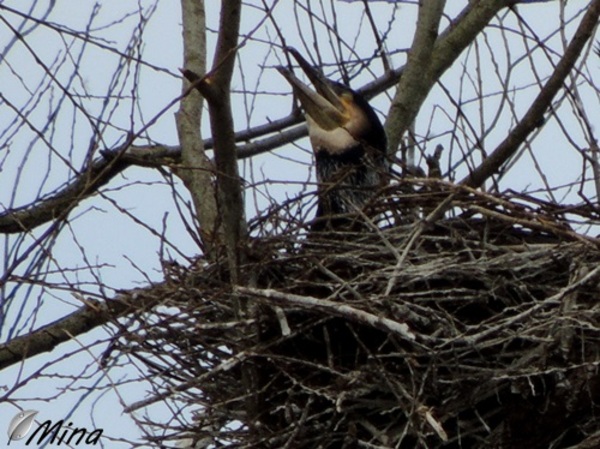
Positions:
(324, 106)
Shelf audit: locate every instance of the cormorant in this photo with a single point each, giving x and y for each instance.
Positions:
(348, 141)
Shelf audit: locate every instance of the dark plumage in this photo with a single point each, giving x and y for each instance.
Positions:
(348, 141)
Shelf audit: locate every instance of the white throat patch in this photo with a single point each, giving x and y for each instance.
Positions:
(336, 141)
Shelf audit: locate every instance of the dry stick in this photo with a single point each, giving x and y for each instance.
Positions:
(517, 136)
(552, 300)
(226, 365)
(345, 311)
(435, 215)
(535, 224)
(331, 307)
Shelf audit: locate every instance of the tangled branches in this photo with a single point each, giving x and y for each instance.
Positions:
(480, 333)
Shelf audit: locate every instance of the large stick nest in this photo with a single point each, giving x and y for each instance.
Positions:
(477, 331)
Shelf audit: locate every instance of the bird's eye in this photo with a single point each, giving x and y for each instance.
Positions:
(347, 100)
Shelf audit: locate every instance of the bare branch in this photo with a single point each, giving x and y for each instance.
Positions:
(414, 86)
(103, 170)
(99, 173)
(334, 308)
(92, 315)
(535, 114)
(216, 88)
(413, 91)
(197, 171)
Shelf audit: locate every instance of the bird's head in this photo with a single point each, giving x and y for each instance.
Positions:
(338, 118)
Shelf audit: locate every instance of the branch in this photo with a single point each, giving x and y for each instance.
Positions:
(196, 171)
(535, 115)
(414, 86)
(118, 159)
(333, 308)
(216, 88)
(412, 91)
(24, 219)
(86, 318)
(84, 185)
(448, 47)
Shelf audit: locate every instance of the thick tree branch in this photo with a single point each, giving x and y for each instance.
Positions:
(414, 86)
(88, 317)
(103, 170)
(448, 47)
(99, 173)
(216, 88)
(196, 169)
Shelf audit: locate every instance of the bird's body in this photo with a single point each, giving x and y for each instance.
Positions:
(348, 142)
(347, 180)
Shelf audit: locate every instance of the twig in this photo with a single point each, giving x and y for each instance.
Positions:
(331, 307)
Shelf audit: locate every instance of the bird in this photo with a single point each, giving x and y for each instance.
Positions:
(348, 141)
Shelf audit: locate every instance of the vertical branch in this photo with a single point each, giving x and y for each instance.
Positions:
(594, 151)
(217, 88)
(414, 84)
(229, 186)
(197, 170)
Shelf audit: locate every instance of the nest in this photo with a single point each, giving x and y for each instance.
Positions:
(479, 330)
